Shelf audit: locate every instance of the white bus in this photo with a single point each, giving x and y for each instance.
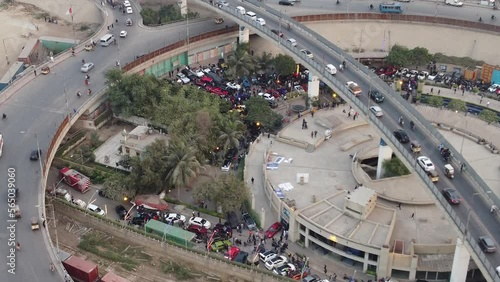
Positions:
(107, 39)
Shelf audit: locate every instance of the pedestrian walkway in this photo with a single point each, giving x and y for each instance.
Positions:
(462, 95)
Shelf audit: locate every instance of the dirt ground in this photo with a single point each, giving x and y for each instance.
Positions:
(70, 232)
(24, 20)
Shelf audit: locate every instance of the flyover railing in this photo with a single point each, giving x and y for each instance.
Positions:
(320, 71)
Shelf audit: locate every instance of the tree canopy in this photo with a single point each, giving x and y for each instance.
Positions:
(284, 64)
(226, 192)
(489, 116)
(403, 56)
(394, 167)
(260, 112)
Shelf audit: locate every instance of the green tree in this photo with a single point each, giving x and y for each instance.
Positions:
(420, 56)
(394, 167)
(226, 192)
(240, 63)
(150, 16)
(457, 105)
(183, 164)
(284, 64)
(231, 131)
(435, 101)
(263, 62)
(399, 56)
(115, 187)
(489, 116)
(260, 112)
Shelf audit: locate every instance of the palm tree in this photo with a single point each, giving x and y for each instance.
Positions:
(263, 62)
(183, 164)
(240, 64)
(230, 134)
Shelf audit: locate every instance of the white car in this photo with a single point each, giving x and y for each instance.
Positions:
(284, 269)
(172, 218)
(422, 75)
(198, 221)
(226, 166)
(331, 69)
(377, 111)
(95, 209)
(493, 88)
(425, 163)
(123, 33)
(267, 255)
(292, 41)
(233, 85)
(222, 3)
(432, 76)
(126, 3)
(307, 53)
(261, 21)
(87, 67)
(454, 3)
(199, 73)
(275, 262)
(266, 96)
(181, 78)
(129, 10)
(299, 88)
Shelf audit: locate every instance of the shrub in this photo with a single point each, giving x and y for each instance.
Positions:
(394, 167)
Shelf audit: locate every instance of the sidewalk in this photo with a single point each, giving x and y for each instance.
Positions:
(462, 95)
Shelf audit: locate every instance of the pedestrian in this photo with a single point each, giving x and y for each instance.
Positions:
(112, 26)
(354, 117)
(439, 92)
(34, 72)
(488, 104)
(349, 114)
(462, 167)
(198, 214)
(493, 208)
(268, 135)
(412, 215)
(312, 113)
(454, 91)
(325, 270)
(315, 133)
(312, 134)
(432, 90)
(252, 180)
(463, 92)
(90, 92)
(399, 206)
(192, 214)
(481, 100)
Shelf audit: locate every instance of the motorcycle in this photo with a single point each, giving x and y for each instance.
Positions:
(4, 116)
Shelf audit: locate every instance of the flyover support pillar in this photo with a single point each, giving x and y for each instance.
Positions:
(460, 262)
(244, 35)
(312, 88)
(384, 153)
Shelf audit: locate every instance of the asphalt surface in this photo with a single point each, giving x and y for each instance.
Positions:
(37, 109)
(474, 211)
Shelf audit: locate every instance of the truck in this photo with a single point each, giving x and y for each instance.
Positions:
(75, 179)
(81, 270)
(354, 88)
(111, 277)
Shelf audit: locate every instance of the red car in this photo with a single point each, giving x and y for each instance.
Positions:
(231, 253)
(206, 79)
(275, 228)
(198, 230)
(218, 91)
(200, 83)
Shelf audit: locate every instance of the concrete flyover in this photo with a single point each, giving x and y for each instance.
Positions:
(397, 107)
(40, 119)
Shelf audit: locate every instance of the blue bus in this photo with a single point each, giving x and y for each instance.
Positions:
(394, 8)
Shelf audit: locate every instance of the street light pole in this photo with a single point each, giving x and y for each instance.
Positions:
(55, 225)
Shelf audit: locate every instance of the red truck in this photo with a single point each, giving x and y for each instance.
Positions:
(81, 270)
(111, 277)
(75, 179)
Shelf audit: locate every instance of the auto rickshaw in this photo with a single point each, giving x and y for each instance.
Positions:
(45, 70)
(17, 211)
(89, 47)
(219, 20)
(34, 224)
(433, 175)
(415, 147)
(449, 171)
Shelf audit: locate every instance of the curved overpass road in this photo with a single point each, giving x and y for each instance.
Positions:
(474, 211)
(37, 109)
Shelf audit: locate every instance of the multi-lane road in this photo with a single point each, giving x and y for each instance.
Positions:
(37, 109)
(472, 210)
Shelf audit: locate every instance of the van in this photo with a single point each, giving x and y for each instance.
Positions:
(107, 39)
(331, 69)
(292, 41)
(241, 10)
(252, 15)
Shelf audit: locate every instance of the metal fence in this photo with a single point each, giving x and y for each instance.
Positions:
(319, 70)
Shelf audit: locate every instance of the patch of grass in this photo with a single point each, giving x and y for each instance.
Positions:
(180, 272)
(126, 258)
(84, 27)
